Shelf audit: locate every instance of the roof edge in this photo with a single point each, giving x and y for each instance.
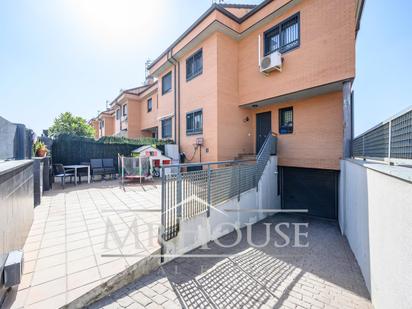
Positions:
(359, 12)
(213, 7)
(238, 5)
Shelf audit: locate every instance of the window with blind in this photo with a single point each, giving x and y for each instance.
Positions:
(167, 128)
(286, 120)
(167, 83)
(284, 36)
(194, 122)
(194, 65)
(149, 105)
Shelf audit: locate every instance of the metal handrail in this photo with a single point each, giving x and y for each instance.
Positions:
(188, 194)
(206, 163)
(272, 134)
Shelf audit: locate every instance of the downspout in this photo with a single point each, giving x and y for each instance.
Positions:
(176, 63)
(178, 105)
(169, 57)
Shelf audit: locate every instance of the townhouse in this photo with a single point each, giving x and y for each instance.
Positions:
(242, 71)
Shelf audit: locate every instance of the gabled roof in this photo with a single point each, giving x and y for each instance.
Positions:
(135, 91)
(222, 9)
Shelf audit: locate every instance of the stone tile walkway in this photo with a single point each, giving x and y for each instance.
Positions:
(323, 275)
(65, 251)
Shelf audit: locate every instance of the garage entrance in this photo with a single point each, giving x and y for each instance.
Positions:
(312, 189)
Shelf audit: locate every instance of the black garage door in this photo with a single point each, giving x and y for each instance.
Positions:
(312, 189)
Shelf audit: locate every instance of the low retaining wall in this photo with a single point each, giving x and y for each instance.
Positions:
(199, 230)
(16, 208)
(375, 214)
(143, 267)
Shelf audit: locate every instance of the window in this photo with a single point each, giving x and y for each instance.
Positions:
(194, 65)
(101, 124)
(167, 128)
(149, 105)
(286, 120)
(167, 83)
(118, 114)
(283, 37)
(194, 122)
(124, 110)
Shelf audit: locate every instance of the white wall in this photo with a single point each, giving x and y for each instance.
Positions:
(376, 216)
(201, 229)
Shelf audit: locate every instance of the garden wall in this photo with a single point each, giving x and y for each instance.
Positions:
(375, 216)
(74, 150)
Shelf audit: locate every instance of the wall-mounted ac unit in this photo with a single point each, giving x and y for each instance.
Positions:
(271, 62)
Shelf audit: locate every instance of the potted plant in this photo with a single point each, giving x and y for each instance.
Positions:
(40, 149)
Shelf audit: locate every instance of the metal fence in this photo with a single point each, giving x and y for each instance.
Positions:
(390, 140)
(186, 194)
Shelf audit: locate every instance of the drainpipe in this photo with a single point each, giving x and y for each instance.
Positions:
(171, 59)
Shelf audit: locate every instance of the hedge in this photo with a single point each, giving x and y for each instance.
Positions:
(67, 149)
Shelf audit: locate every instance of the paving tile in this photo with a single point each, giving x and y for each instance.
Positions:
(25, 281)
(45, 252)
(53, 302)
(113, 267)
(48, 274)
(82, 278)
(28, 267)
(81, 264)
(50, 261)
(141, 298)
(59, 243)
(77, 292)
(46, 290)
(79, 253)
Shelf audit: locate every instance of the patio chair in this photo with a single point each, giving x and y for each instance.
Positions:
(61, 173)
(96, 166)
(108, 166)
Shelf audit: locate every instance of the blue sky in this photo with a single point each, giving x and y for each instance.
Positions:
(73, 55)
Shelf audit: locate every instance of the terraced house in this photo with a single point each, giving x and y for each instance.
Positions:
(242, 71)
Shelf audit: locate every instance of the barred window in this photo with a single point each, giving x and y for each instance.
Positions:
(286, 120)
(284, 36)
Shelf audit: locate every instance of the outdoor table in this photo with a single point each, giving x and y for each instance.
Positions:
(75, 168)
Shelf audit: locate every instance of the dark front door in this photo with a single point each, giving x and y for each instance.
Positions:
(313, 189)
(263, 128)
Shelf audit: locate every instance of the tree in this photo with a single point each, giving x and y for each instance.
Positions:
(67, 123)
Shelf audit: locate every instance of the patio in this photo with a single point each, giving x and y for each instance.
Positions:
(65, 253)
(323, 275)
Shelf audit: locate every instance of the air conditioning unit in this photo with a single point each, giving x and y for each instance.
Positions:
(271, 62)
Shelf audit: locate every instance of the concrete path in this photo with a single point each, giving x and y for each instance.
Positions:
(323, 275)
(65, 253)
